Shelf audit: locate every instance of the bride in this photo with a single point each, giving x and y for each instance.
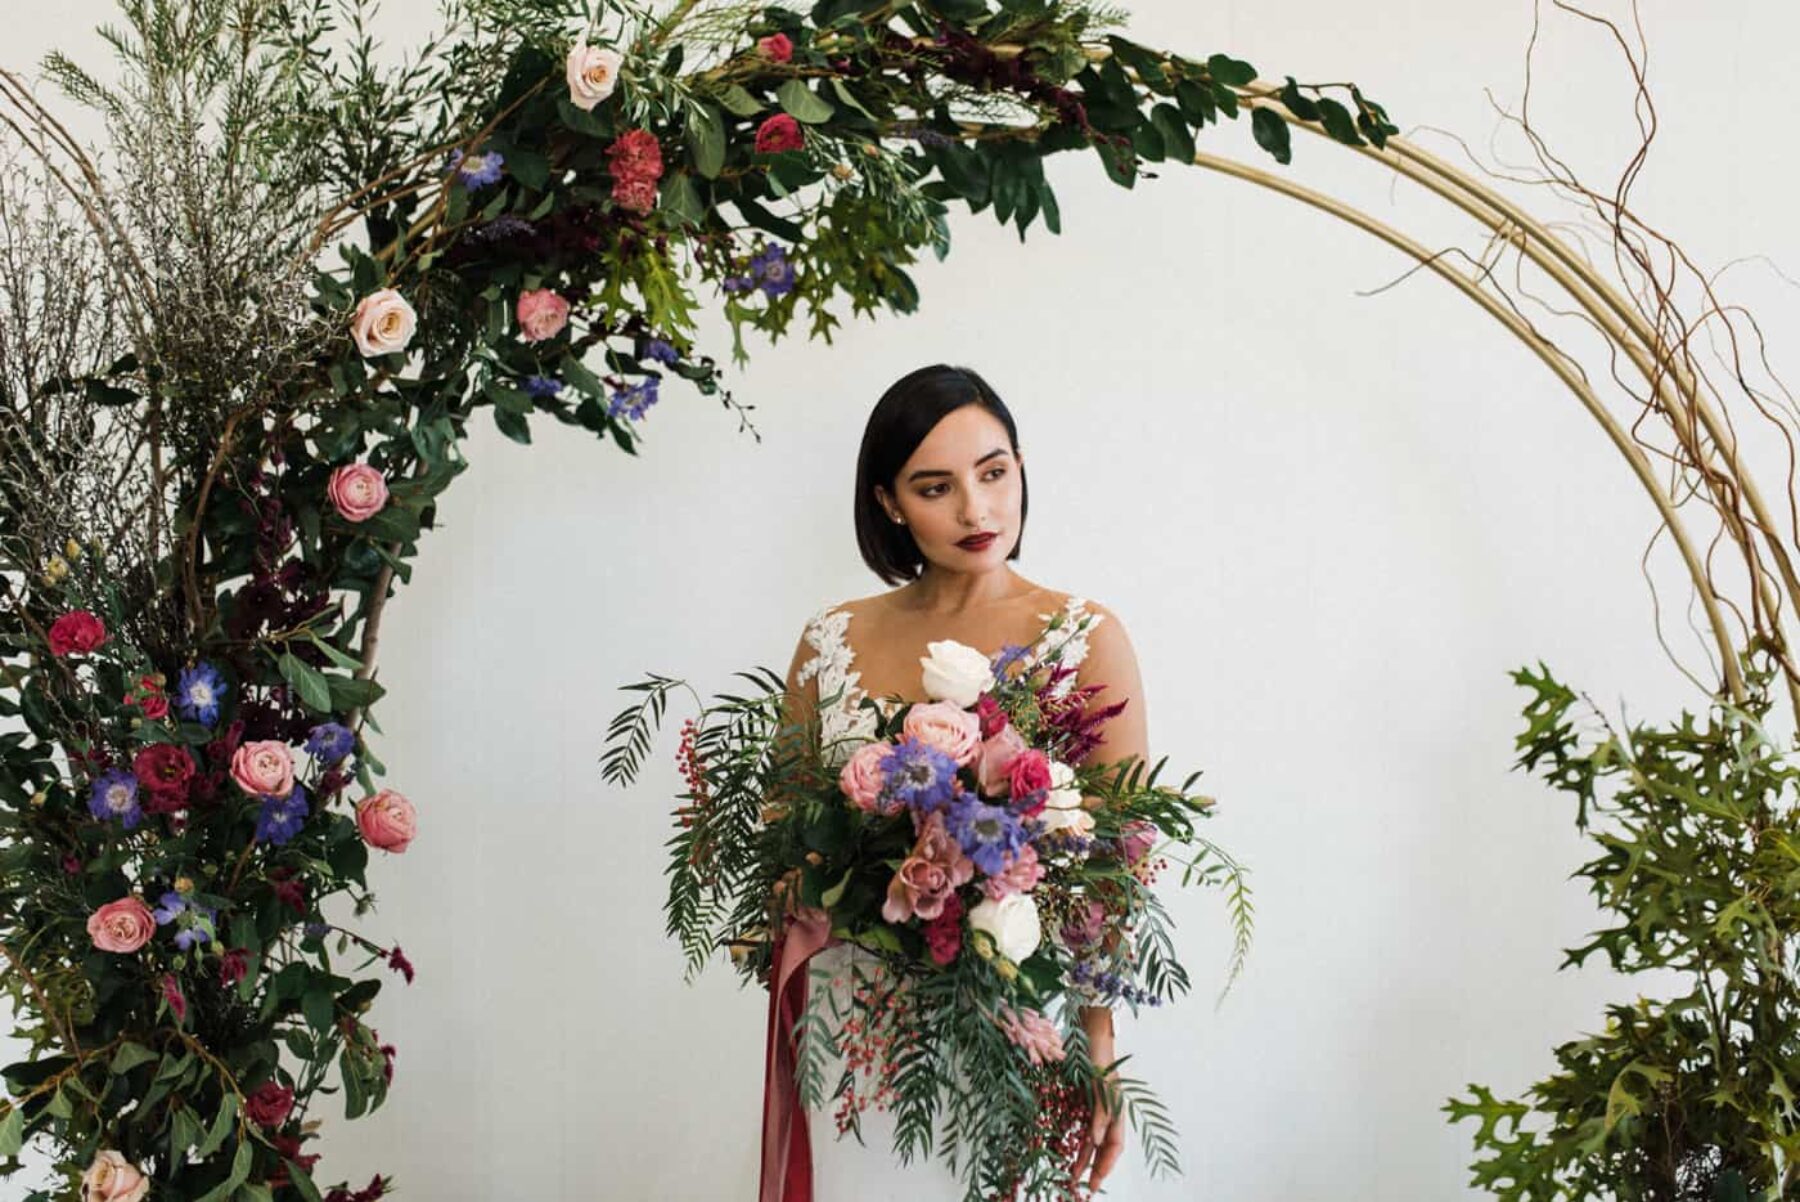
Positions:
(940, 510)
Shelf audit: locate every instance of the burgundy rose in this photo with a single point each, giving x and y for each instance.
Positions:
(270, 1104)
(778, 133)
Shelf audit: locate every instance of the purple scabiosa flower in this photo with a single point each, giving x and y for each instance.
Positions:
(542, 386)
(280, 817)
(476, 170)
(115, 795)
(771, 266)
(918, 775)
(661, 351)
(631, 402)
(329, 742)
(198, 693)
(989, 834)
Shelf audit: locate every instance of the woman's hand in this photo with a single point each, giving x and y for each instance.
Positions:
(1105, 1138)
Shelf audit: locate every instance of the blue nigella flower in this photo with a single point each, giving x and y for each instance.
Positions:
(542, 386)
(476, 170)
(631, 402)
(280, 817)
(329, 742)
(199, 692)
(776, 273)
(196, 932)
(919, 775)
(989, 834)
(662, 352)
(115, 795)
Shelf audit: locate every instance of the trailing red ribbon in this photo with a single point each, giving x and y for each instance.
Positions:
(786, 1143)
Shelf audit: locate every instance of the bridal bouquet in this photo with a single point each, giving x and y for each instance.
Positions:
(988, 881)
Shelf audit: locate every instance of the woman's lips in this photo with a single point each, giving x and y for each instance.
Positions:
(979, 542)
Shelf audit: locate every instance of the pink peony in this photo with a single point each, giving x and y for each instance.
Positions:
(543, 313)
(358, 491)
(112, 1178)
(386, 820)
(121, 926)
(76, 632)
(997, 754)
(383, 323)
(862, 779)
(778, 133)
(928, 876)
(1030, 1030)
(946, 726)
(777, 47)
(1021, 874)
(264, 768)
(270, 1104)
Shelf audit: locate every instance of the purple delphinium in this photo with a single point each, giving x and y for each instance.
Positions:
(918, 775)
(280, 817)
(172, 906)
(989, 834)
(631, 402)
(661, 351)
(542, 386)
(476, 170)
(115, 795)
(772, 267)
(198, 693)
(329, 742)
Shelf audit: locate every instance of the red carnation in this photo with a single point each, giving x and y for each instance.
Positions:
(78, 631)
(780, 132)
(269, 1105)
(164, 770)
(943, 934)
(636, 166)
(777, 48)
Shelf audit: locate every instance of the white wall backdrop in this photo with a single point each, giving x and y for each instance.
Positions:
(1333, 520)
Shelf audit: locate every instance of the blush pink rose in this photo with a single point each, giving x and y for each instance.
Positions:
(383, 323)
(112, 1178)
(1021, 874)
(997, 754)
(543, 313)
(928, 876)
(862, 779)
(358, 491)
(386, 820)
(264, 768)
(592, 72)
(946, 726)
(121, 926)
(79, 631)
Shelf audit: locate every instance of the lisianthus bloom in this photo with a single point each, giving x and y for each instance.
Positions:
(166, 771)
(778, 133)
(115, 795)
(199, 692)
(76, 633)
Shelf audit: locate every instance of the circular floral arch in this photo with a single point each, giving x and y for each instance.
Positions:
(195, 562)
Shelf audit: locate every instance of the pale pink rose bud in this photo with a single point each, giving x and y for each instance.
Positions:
(264, 768)
(121, 926)
(112, 1178)
(946, 726)
(542, 314)
(861, 779)
(383, 323)
(386, 820)
(592, 72)
(358, 491)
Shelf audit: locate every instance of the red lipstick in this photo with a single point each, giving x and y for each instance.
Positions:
(978, 542)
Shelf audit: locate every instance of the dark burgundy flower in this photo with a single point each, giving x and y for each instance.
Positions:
(398, 961)
(270, 1104)
(164, 770)
(289, 888)
(233, 965)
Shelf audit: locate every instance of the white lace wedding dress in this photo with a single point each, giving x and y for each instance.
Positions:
(844, 1170)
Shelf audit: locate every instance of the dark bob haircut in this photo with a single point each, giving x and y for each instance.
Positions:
(904, 415)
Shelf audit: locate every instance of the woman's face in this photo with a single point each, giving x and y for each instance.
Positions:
(963, 479)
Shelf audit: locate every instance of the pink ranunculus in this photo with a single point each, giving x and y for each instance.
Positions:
(1030, 1030)
(383, 323)
(777, 47)
(358, 491)
(1029, 771)
(264, 768)
(927, 876)
(778, 133)
(76, 632)
(997, 754)
(386, 820)
(862, 778)
(543, 313)
(121, 926)
(270, 1104)
(112, 1178)
(946, 726)
(1021, 874)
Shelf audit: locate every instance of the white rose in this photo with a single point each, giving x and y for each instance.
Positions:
(112, 1178)
(1062, 808)
(383, 322)
(955, 672)
(592, 72)
(1012, 921)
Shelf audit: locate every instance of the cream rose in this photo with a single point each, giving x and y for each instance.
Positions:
(955, 672)
(112, 1178)
(1012, 921)
(1063, 809)
(946, 726)
(383, 323)
(264, 768)
(592, 72)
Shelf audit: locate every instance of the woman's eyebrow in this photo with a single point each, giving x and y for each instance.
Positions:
(924, 472)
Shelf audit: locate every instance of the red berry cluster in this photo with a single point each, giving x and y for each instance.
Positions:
(869, 1039)
(1064, 1115)
(693, 771)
